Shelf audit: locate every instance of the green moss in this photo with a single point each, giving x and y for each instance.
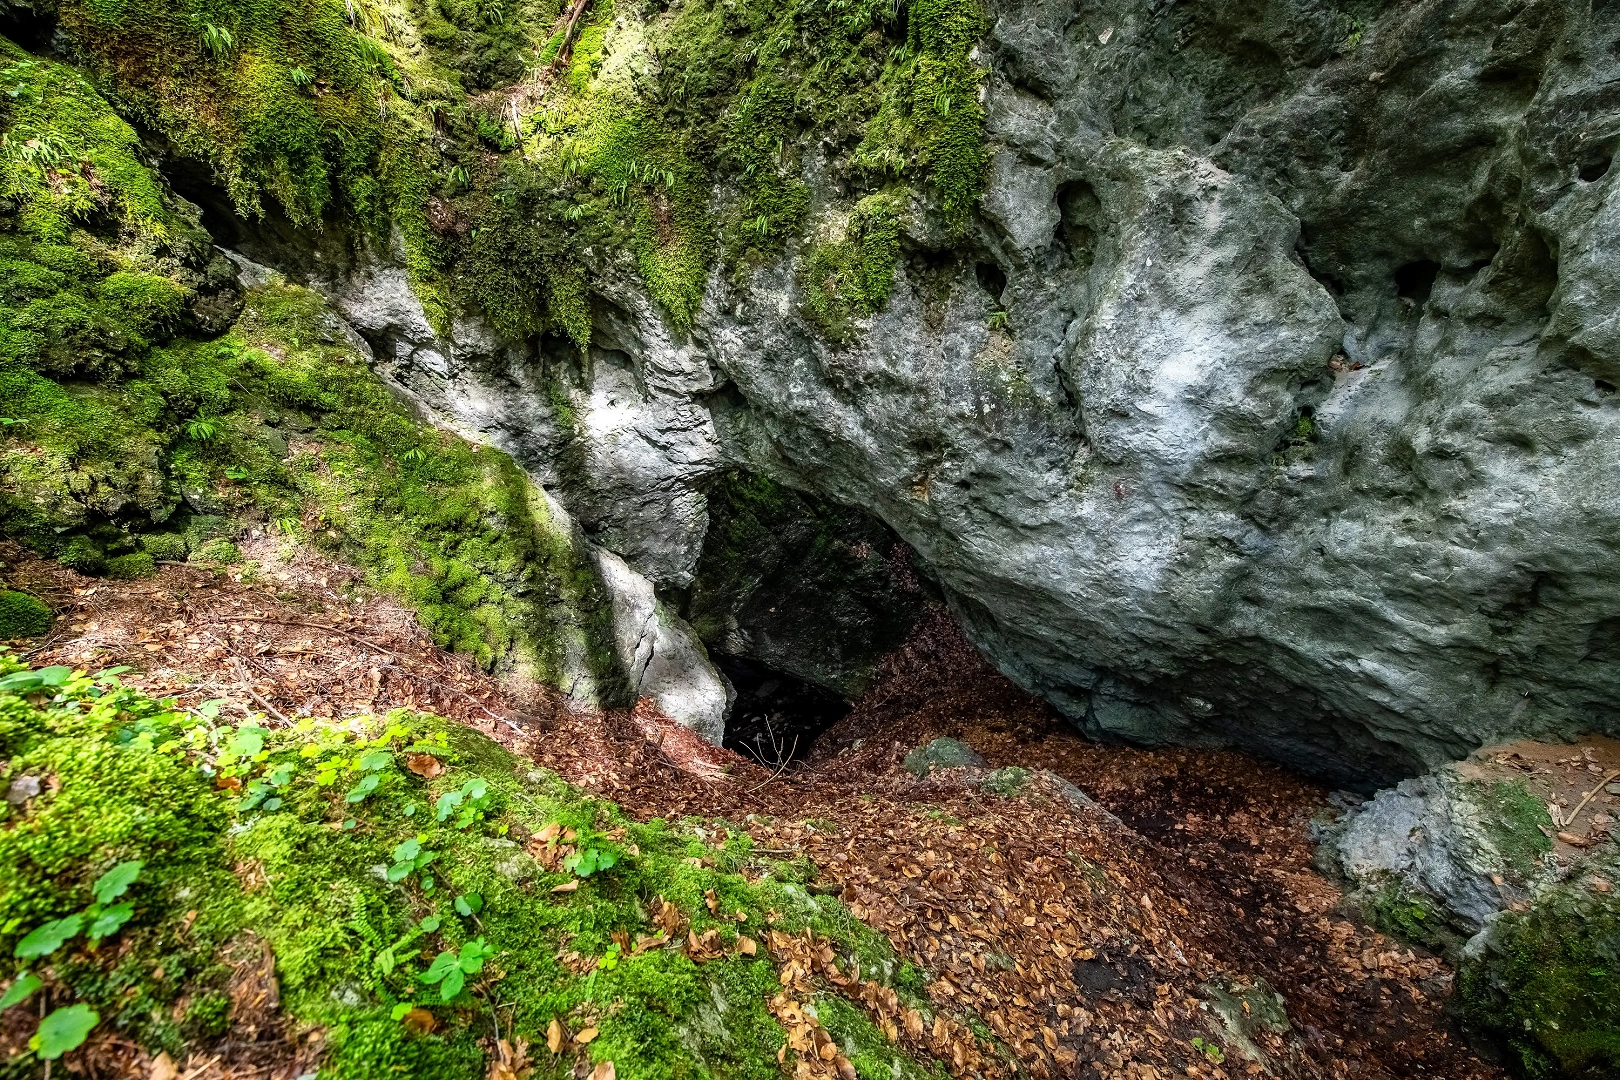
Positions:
(850, 278)
(218, 551)
(1546, 982)
(129, 567)
(164, 547)
(256, 840)
(368, 112)
(22, 615)
(1515, 820)
(1396, 910)
(1007, 782)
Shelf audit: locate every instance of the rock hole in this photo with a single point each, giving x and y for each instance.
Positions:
(1079, 212)
(1415, 280)
(1595, 169)
(1603, 386)
(992, 279)
(777, 717)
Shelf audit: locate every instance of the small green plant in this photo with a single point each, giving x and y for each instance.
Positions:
(201, 430)
(299, 77)
(64, 1030)
(217, 41)
(410, 858)
(20, 990)
(450, 970)
(1209, 1050)
(238, 472)
(590, 860)
(998, 320)
(468, 803)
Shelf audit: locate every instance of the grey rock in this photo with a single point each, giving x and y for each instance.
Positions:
(511, 861)
(1426, 839)
(659, 653)
(942, 754)
(1302, 433)
(22, 789)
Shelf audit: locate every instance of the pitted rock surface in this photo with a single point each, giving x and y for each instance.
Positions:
(1299, 429)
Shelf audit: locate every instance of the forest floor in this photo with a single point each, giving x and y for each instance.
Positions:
(1145, 934)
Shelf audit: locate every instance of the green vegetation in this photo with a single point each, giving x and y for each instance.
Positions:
(1514, 819)
(1546, 982)
(137, 436)
(173, 853)
(376, 114)
(1408, 916)
(22, 615)
(852, 277)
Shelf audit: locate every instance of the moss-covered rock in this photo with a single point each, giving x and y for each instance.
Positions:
(137, 564)
(325, 849)
(22, 615)
(1546, 981)
(164, 547)
(942, 754)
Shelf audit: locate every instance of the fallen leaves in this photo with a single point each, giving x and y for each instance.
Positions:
(419, 1021)
(426, 766)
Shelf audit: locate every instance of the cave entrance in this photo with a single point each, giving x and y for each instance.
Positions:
(777, 717)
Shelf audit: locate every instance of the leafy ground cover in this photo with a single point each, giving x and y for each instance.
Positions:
(974, 882)
(407, 896)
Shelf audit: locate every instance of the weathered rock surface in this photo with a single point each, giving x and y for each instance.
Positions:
(1299, 432)
(661, 658)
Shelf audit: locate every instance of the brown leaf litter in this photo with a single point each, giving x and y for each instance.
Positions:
(1090, 939)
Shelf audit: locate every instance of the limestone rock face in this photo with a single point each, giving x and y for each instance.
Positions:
(1270, 400)
(660, 656)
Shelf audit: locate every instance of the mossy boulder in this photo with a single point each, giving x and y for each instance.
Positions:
(137, 564)
(219, 551)
(22, 615)
(942, 754)
(165, 547)
(1546, 981)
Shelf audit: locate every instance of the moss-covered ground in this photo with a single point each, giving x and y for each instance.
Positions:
(372, 857)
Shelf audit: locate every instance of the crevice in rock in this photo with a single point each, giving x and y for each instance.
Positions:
(1596, 168)
(1079, 216)
(992, 279)
(29, 26)
(804, 586)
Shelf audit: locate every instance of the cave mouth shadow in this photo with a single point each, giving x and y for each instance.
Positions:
(777, 717)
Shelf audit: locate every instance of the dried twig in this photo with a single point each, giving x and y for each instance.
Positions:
(1575, 813)
(242, 676)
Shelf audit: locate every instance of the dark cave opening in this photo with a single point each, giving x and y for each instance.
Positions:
(777, 717)
(1415, 280)
(1595, 169)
